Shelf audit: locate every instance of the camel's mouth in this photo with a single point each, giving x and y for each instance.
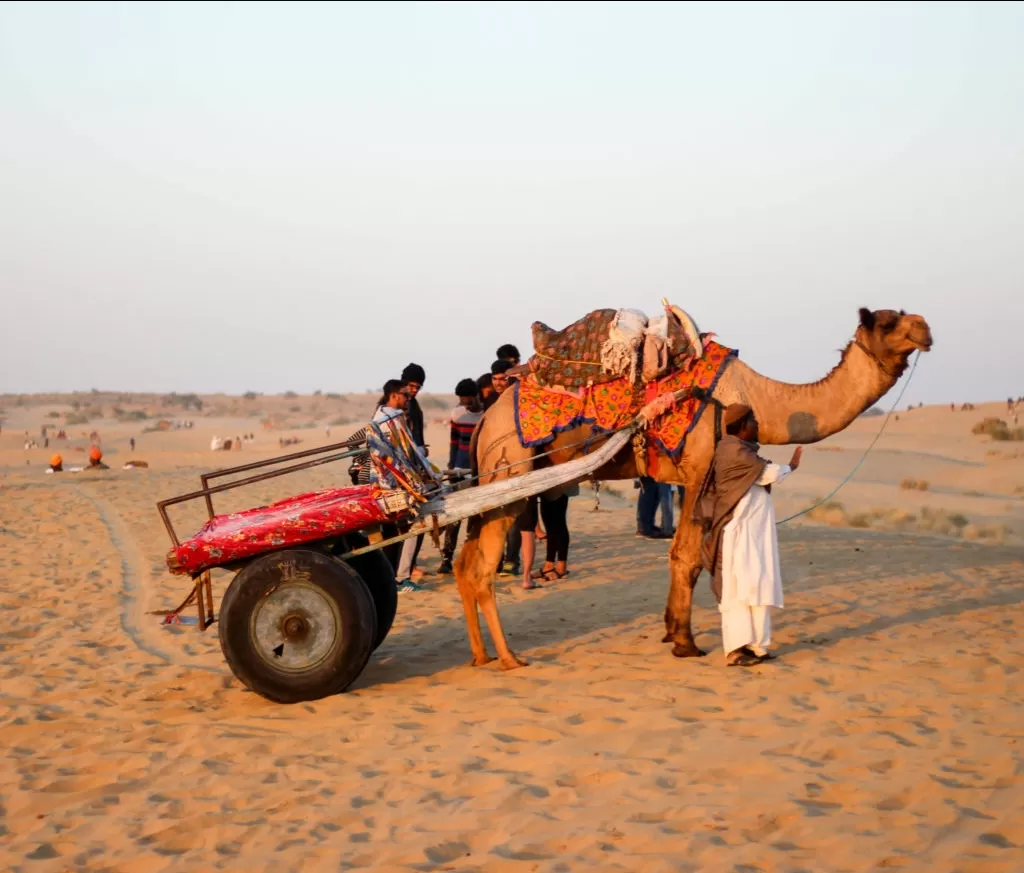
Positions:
(921, 339)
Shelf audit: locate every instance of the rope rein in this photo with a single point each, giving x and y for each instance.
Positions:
(867, 451)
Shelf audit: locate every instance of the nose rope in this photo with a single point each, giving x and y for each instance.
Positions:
(867, 451)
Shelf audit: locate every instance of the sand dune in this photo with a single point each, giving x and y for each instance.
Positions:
(887, 735)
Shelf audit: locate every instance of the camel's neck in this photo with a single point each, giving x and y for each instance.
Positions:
(807, 413)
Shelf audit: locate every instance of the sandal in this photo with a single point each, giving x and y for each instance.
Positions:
(552, 575)
(744, 660)
(539, 574)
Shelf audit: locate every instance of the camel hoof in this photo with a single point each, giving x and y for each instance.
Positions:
(513, 663)
(668, 638)
(687, 650)
(480, 662)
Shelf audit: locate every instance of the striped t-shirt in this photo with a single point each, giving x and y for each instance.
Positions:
(463, 423)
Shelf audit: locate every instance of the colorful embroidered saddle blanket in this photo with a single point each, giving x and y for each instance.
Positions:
(541, 413)
(606, 345)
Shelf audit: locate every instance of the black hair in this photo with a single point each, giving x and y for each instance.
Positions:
(414, 373)
(467, 388)
(507, 352)
(499, 367)
(484, 381)
(392, 386)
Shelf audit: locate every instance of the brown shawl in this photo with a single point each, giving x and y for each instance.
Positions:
(735, 468)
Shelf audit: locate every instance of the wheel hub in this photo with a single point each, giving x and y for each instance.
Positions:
(295, 627)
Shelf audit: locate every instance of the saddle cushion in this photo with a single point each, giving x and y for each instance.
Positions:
(571, 358)
(318, 515)
(606, 345)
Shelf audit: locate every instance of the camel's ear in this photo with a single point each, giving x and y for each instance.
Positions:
(867, 318)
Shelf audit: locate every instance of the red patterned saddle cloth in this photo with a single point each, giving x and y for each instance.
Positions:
(542, 413)
(303, 519)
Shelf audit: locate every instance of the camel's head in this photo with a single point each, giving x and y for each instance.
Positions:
(891, 336)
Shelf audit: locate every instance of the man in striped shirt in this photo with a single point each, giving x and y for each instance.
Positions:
(464, 420)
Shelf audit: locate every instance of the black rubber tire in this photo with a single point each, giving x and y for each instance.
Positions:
(342, 606)
(379, 577)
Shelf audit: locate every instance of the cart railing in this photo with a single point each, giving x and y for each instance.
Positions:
(349, 448)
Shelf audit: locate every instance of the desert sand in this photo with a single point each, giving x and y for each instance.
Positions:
(888, 734)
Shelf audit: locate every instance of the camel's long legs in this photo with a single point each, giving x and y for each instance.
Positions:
(684, 568)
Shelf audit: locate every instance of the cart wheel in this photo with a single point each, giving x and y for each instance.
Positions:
(297, 625)
(380, 579)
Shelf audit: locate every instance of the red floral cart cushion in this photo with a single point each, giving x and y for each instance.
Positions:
(303, 519)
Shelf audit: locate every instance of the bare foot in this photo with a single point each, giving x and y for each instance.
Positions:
(513, 663)
(481, 660)
(687, 650)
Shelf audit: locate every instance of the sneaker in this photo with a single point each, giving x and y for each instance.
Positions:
(407, 586)
(655, 534)
(509, 569)
(445, 569)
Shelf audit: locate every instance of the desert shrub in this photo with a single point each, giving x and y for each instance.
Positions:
(331, 395)
(130, 414)
(76, 418)
(998, 430)
(914, 485)
(832, 513)
(295, 409)
(53, 415)
(289, 394)
(185, 401)
(250, 395)
(861, 520)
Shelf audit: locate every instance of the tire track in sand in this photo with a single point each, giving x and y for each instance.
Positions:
(129, 589)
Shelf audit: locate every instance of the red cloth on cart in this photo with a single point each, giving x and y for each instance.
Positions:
(303, 519)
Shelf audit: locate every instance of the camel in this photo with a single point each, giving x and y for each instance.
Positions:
(871, 364)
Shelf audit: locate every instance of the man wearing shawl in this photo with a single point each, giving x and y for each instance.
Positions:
(740, 548)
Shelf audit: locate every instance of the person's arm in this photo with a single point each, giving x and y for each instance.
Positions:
(454, 447)
(772, 474)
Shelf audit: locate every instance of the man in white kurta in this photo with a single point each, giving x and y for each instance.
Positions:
(751, 573)
(741, 549)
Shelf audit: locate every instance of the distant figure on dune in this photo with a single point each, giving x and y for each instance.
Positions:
(96, 459)
(740, 548)
(131, 444)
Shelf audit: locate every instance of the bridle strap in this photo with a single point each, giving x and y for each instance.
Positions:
(879, 362)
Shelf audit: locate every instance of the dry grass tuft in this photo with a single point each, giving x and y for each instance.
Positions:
(934, 521)
(998, 430)
(914, 485)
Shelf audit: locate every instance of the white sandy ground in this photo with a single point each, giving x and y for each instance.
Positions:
(889, 734)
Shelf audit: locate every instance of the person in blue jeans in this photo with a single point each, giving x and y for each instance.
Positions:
(647, 508)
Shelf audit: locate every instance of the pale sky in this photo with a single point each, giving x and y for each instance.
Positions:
(230, 197)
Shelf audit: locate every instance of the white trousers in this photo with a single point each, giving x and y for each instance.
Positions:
(744, 625)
